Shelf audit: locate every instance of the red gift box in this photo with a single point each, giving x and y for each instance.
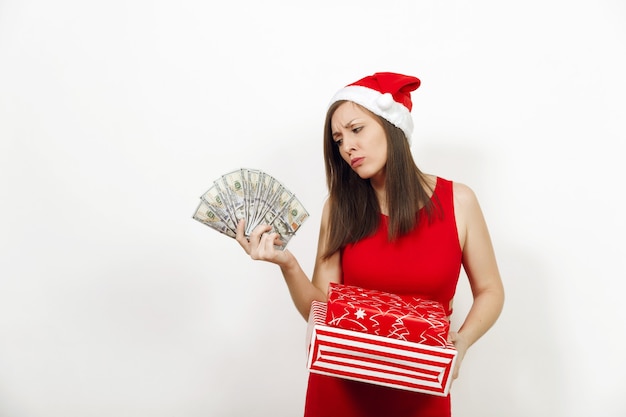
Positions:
(380, 313)
(376, 359)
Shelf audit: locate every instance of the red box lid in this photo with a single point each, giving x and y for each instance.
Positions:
(385, 314)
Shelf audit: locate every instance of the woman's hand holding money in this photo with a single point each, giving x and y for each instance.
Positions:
(261, 244)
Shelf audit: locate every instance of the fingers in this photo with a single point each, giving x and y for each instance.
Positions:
(258, 233)
(240, 236)
(277, 240)
(461, 346)
(240, 229)
(260, 242)
(451, 336)
(269, 240)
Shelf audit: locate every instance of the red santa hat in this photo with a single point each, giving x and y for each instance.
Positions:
(385, 94)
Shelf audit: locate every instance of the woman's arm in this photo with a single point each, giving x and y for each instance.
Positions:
(260, 246)
(479, 263)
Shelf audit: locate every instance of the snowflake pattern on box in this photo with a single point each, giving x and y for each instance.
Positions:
(385, 314)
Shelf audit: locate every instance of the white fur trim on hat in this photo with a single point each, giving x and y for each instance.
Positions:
(382, 105)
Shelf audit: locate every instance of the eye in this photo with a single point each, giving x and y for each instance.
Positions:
(357, 129)
(338, 142)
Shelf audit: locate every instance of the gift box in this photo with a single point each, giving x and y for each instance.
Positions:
(380, 313)
(377, 359)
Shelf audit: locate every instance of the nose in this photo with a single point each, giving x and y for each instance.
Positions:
(348, 144)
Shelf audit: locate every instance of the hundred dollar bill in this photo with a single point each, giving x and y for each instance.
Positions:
(231, 185)
(282, 228)
(291, 217)
(206, 215)
(277, 205)
(267, 192)
(289, 221)
(252, 184)
(261, 198)
(215, 200)
(296, 214)
(269, 206)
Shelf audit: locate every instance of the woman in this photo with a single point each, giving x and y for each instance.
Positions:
(387, 226)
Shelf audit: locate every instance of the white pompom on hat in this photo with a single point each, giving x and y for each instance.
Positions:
(385, 94)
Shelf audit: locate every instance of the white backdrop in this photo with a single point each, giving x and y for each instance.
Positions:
(115, 116)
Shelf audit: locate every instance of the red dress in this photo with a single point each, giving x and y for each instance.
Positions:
(426, 263)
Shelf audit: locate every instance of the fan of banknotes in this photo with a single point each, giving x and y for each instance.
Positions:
(255, 196)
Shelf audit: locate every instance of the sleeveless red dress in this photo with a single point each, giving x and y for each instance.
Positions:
(425, 263)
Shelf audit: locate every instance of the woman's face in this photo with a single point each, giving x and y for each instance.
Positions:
(361, 140)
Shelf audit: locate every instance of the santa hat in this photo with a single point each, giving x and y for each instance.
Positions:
(385, 94)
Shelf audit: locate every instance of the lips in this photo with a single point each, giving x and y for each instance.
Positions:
(356, 162)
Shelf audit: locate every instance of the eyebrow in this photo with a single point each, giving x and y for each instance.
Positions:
(350, 123)
(346, 126)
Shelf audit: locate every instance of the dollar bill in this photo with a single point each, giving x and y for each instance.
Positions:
(290, 219)
(214, 199)
(206, 215)
(231, 187)
(296, 214)
(252, 180)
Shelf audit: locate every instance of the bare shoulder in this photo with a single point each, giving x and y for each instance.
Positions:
(466, 210)
(326, 206)
(326, 211)
(325, 223)
(464, 196)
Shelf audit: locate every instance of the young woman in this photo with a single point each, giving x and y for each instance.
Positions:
(387, 226)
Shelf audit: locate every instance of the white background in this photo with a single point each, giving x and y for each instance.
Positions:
(115, 116)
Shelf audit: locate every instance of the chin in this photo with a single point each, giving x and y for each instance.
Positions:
(364, 175)
(367, 174)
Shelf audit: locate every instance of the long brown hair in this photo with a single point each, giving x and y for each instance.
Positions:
(354, 208)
